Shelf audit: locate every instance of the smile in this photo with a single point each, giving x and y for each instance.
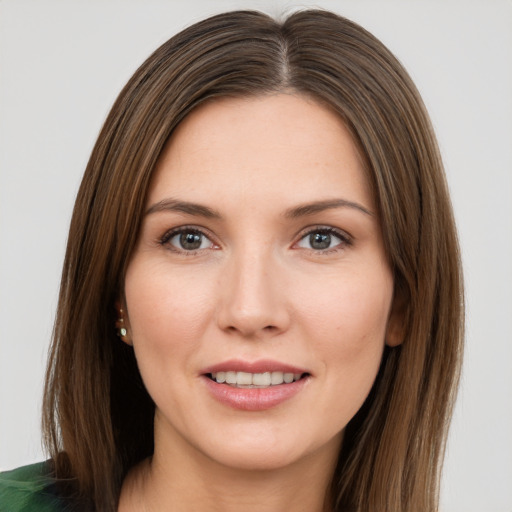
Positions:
(254, 386)
(254, 380)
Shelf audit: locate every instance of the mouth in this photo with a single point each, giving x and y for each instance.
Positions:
(254, 386)
(238, 379)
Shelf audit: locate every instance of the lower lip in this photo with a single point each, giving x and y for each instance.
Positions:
(254, 399)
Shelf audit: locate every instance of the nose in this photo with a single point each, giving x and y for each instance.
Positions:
(253, 299)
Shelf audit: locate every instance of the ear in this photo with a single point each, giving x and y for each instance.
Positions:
(122, 323)
(395, 330)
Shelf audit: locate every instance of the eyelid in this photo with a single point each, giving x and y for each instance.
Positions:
(170, 233)
(346, 238)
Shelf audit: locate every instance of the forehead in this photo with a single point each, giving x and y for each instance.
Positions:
(282, 145)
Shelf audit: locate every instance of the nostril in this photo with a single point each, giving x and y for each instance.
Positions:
(250, 331)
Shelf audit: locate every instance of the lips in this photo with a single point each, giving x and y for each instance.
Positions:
(254, 386)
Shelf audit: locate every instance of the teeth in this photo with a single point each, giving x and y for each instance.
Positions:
(261, 379)
(277, 378)
(245, 379)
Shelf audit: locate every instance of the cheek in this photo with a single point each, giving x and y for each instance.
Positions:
(166, 310)
(167, 315)
(359, 325)
(348, 327)
(353, 309)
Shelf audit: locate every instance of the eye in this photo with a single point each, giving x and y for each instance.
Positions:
(187, 240)
(323, 239)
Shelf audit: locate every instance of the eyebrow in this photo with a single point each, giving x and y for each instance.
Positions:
(184, 207)
(292, 213)
(320, 206)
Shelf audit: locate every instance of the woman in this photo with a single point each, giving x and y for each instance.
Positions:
(261, 301)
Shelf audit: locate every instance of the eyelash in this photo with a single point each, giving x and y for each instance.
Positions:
(345, 239)
(169, 235)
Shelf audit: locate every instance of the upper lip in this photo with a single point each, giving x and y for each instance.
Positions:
(260, 366)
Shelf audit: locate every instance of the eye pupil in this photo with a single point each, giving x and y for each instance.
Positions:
(190, 241)
(320, 240)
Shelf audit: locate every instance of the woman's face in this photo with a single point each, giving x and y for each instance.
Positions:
(260, 262)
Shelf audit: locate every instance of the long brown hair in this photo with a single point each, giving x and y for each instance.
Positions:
(97, 415)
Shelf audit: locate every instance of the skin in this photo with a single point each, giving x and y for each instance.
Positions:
(257, 288)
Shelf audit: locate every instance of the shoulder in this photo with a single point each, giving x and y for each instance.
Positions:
(29, 488)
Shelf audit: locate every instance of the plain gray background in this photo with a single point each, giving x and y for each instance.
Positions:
(62, 64)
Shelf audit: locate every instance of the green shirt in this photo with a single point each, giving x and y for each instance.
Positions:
(29, 489)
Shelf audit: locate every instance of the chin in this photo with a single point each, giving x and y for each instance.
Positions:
(267, 452)
(260, 459)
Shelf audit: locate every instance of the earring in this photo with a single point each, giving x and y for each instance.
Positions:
(121, 330)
